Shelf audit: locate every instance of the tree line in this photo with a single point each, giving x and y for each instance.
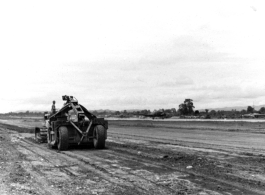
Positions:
(26, 113)
(186, 108)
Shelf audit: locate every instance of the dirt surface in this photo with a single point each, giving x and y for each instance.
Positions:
(154, 157)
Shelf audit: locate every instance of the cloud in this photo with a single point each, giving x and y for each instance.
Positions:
(125, 102)
(155, 58)
(253, 8)
(178, 82)
(182, 49)
(174, 51)
(221, 92)
(224, 95)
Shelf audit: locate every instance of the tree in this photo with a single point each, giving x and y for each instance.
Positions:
(197, 112)
(189, 103)
(117, 113)
(144, 112)
(183, 109)
(174, 111)
(250, 109)
(186, 107)
(243, 111)
(212, 112)
(262, 110)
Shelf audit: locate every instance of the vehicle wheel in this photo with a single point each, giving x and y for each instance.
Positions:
(63, 138)
(37, 134)
(50, 146)
(99, 137)
(49, 140)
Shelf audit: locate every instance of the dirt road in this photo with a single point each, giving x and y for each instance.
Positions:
(131, 164)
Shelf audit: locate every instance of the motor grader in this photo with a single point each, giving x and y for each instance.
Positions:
(73, 124)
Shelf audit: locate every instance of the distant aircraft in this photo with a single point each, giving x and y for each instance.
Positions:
(248, 116)
(122, 116)
(254, 115)
(157, 114)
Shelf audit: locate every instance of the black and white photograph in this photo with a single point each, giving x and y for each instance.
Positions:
(124, 97)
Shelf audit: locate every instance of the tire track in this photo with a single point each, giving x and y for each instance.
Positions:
(136, 180)
(110, 177)
(188, 144)
(102, 168)
(132, 152)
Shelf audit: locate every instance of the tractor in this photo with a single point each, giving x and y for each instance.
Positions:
(73, 124)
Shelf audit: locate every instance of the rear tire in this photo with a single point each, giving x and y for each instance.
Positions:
(63, 139)
(99, 137)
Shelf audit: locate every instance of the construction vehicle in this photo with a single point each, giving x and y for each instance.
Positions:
(73, 124)
(41, 132)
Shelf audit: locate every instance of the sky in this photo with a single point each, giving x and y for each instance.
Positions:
(123, 55)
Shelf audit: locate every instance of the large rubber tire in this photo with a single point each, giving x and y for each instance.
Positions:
(63, 138)
(99, 137)
(50, 146)
(39, 137)
(49, 141)
(37, 134)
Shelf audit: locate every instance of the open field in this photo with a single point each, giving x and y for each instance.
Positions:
(142, 157)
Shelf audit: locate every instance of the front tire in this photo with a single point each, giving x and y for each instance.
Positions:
(37, 134)
(49, 140)
(99, 137)
(63, 139)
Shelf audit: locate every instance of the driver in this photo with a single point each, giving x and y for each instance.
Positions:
(53, 110)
